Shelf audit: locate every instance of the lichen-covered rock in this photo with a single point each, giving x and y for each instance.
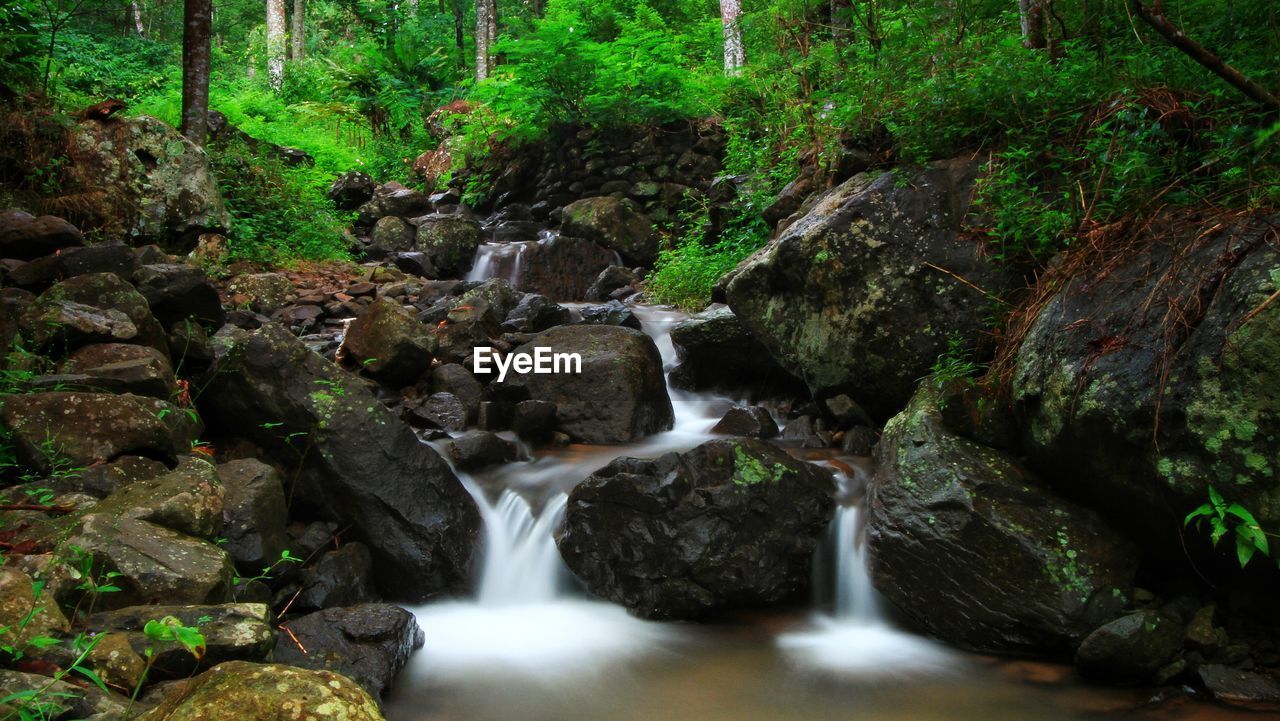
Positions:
(123, 368)
(362, 465)
(618, 397)
(1139, 389)
(368, 643)
(232, 632)
(146, 182)
(188, 499)
(255, 512)
(391, 235)
(980, 553)
(616, 224)
(25, 615)
(392, 199)
(60, 699)
(54, 321)
(351, 190)
(863, 292)
(263, 292)
(26, 237)
(243, 691)
(449, 243)
(731, 523)
(387, 342)
(83, 428)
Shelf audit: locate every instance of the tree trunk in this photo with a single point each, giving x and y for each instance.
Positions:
(135, 9)
(197, 17)
(275, 43)
(459, 31)
(483, 58)
(1032, 16)
(841, 17)
(1154, 16)
(735, 54)
(298, 33)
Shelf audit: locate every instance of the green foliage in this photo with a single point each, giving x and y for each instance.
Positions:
(1223, 519)
(19, 43)
(749, 471)
(170, 629)
(285, 557)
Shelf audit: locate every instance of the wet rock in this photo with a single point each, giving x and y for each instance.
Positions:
(438, 410)
(863, 259)
(392, 235)
(388, 343)
(618, 225)
(611, 313)
(63, 699)
(351, 190)
(123, 368)
(457, 381)
(1131, 648)
(43, 272)
(562, 268)
(535, 313)
(979, 552)
(255, 513)
(718, 352)
(1238, 687)
(343, 577)
(610, 280)
(178, 292)
(474, 318)
(189, 499)
(243, 691)
(145, 182)
(395, 200)
(619, 396)
(748, 422)
(449, 242)
(1124, 413)
(85, 428)
(845, 411)
(422, 533)
(805, 432)
(27, 237)
(232, 632)
(369, 643)
(859, 441)
(98, 307)
(24, 615)
(731, 523)
(263, 292)
(534, 421)
(478, 449)
(102, 480)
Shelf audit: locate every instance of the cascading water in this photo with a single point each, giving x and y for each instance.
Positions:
(856, 638)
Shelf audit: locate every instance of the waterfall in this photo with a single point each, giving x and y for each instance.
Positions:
(855, 599)
(521, 563)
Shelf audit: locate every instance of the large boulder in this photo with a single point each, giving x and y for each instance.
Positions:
(718, 352)
(243, 691)
(368, 643)
(189, 499)
(255, 513)
(1140, 388)
(26, 237)
(563, 268)
(727, 524)
(387, 342)
(449, 243)
(980, 553)
(863, 292)
(351, 190)
(69, 429)
(617, 224)
(123, 368)
(1131, 648)
(618, 397)
(392, 199)
(142, 181)
(363, 465)
(473, 318)
(177, 292)
(96, 307)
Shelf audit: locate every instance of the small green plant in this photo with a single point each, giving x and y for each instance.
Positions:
(955, 365)
(44, 703)
(285, 557)
(1223, 519)
(169, 629)
(748, 471)
(93, 582)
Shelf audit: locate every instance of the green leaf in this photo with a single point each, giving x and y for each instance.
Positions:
(1203, 510)
(1216, 499)
(1239, 511)
(1244, 552)
(1219, 529)
(1254, 536)
(89, 674)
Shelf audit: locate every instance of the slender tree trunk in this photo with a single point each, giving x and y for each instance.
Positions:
(841, 19)
(411, 8)
(135, 9)
(483, 58)
(735, 54)
(197, 19)
(1032, 16)
(460, 31)
(275, 43)
(298, 33)
(1154, 16)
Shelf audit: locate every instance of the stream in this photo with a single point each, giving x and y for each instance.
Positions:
(529, 645)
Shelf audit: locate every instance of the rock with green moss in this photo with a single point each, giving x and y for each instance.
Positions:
(353, 459)
(563, 268)
(242, 691)
(1131, 648)
(618, 397)
(387, 342)
(144, 181)
(90, 308)
(449, 243)
(617, 224)
(232, 632)
(729, 524)
(863, 292)
(979, 552)
(24, 614)
(1138, 390)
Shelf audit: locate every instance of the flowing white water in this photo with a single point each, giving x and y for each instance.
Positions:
(498, 260)
(857, 639)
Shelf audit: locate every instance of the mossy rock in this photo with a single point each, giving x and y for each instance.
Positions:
(241, 691)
